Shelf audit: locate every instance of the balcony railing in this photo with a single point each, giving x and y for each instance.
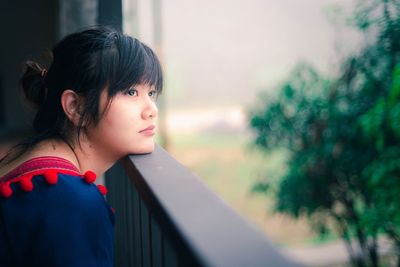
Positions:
(166, 216)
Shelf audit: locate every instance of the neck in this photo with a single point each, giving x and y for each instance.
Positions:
(83, 155)
(89, 157)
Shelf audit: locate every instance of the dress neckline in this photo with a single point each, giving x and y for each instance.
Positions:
(40, 163)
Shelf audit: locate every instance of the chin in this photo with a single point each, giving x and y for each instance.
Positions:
(145, 149)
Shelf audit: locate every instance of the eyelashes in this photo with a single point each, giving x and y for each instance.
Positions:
(134, 92)
(153, 94)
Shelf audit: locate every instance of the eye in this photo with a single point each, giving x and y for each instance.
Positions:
(153, 94)
(132, 92)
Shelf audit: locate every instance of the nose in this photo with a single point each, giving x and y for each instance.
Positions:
(150, 110)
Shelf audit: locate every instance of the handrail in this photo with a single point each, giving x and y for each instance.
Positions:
(197, 226)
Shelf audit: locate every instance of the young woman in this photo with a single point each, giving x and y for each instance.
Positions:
(95, 104)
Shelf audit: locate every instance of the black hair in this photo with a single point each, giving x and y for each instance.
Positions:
(87, 62)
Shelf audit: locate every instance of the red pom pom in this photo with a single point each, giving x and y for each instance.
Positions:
(113, 210)
(5, 190)
(26, 184)
(89, 177)
(51, 177)
(103, 190)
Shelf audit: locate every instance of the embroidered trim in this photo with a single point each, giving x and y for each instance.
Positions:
(40, 163)
(49, 167)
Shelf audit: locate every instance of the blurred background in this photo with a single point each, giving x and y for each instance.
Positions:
(282, 108)
(279, 106)
(289, 110)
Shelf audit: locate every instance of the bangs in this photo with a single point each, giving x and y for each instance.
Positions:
(152, 73)
(130, 62)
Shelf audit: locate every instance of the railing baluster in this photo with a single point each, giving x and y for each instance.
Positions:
(137, 232)
(170, 256)
(177, 221)
(124, 213)
(156, 243)
(132, 197)
(145, 233)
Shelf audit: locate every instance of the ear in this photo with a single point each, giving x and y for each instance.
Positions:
(72, 103)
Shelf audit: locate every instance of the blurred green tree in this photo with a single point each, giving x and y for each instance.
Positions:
(343, 135)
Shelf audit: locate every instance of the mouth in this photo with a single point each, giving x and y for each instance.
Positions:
(149, 131)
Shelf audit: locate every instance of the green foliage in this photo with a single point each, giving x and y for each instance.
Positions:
(344, 137)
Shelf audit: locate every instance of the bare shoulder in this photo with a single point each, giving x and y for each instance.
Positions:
(44, 148)
(9, 166)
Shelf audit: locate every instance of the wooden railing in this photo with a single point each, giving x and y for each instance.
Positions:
(166, 216)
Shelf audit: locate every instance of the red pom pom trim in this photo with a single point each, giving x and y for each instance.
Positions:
(51, 177)
(26, 183)
(5, 190)
(103, 190)
(89, 177)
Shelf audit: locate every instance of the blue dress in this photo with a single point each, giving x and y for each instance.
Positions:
(51, 215)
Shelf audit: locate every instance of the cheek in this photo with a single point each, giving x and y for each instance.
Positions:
(119, 131)
(118, 120)
(121, 122)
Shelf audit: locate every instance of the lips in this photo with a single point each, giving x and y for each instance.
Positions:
(149, 131)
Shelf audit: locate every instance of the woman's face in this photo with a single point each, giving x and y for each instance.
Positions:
(127, 125)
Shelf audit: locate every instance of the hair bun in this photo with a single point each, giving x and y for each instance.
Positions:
(33, 83)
